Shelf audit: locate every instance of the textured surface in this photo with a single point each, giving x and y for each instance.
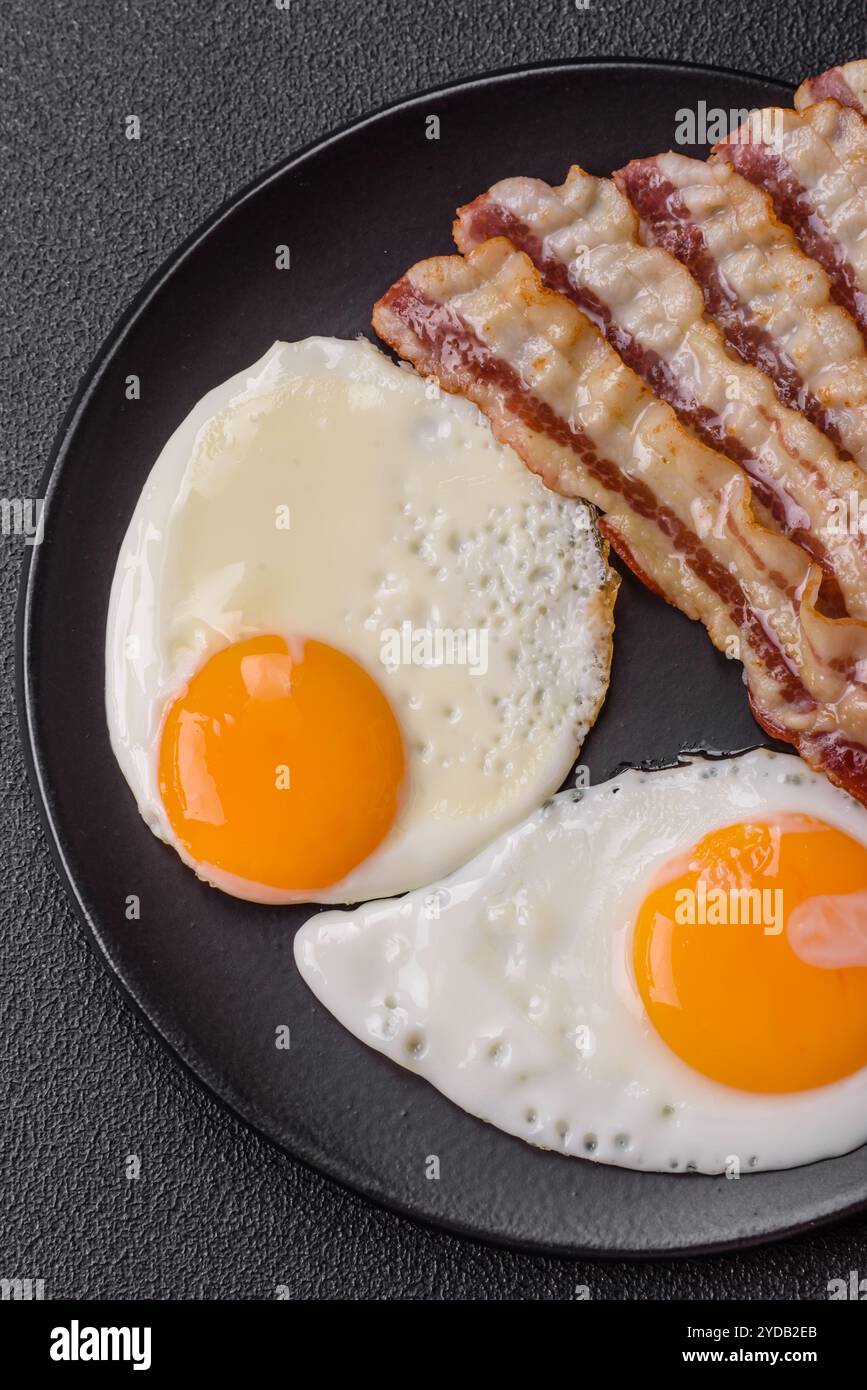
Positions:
(224, 90)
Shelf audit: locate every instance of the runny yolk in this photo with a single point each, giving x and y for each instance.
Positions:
(283, 769)
(727, 992)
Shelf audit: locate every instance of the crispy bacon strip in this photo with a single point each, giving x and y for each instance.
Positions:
(583, 239)
(846, 84)
(814, 166)
(677, 512)
(772, 302)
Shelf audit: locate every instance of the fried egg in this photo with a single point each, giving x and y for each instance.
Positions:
(351, 638)
(643, 973)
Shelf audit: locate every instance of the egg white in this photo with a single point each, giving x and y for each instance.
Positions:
(509, 986)
(395, 507)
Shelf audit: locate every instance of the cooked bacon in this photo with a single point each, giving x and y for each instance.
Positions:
(846, 84)
(772, 302)
(814, 166)
(677, 512)
(583, 239)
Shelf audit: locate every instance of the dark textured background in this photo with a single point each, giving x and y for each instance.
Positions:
(226, 88)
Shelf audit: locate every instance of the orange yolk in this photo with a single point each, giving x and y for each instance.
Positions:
(282, 769)
(726, 991)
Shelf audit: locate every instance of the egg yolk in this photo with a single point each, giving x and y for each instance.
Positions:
(281, 767)
(717, 974)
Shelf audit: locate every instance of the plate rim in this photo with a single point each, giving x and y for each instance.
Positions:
(26, 695)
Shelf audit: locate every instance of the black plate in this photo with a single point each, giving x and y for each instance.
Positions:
(215, 976)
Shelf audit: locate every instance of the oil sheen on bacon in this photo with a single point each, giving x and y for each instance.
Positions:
(773, 303)
(677, 512)
(666, 221)
(813, 164)
(846, 84)
(583, 239)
